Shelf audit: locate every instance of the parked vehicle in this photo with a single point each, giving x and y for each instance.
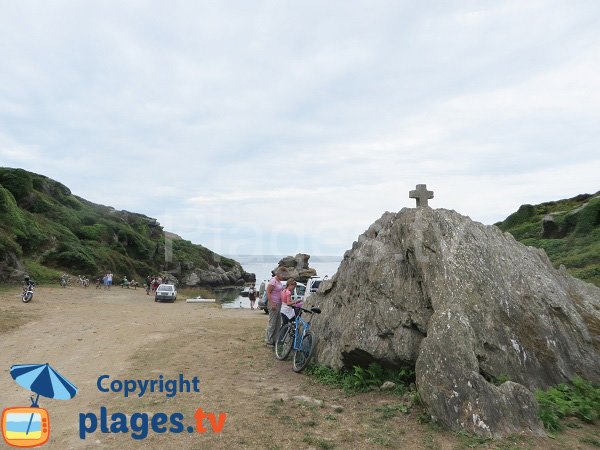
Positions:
(313, 284)
(28, 287)
(64, 280)
(297, 295)
(165, 292)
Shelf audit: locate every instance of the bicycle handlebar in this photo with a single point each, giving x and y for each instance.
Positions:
(312, 310)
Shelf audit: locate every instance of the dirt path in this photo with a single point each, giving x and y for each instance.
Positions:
(86, 333)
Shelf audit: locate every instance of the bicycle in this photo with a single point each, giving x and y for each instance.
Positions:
(297, 336)
(83, 282)
(64, 280)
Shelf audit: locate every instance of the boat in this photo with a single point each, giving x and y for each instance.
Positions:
(201, 300)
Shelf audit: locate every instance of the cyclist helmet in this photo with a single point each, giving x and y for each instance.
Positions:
(26, 279)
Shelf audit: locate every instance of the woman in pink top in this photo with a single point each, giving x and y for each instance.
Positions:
(274, 304)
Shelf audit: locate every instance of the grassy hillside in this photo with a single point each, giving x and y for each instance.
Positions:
(44, 230)
(568, 230)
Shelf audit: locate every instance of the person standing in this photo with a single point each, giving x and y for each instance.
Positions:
(274, 289)
(252, 296)
(287, 302)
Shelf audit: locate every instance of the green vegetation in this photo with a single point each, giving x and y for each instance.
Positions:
(318, 442)
(591, 440)
(579, 398)
(571, 237)
(500, 379)
(389, 411)
(361, 379)
(40, 273)
(52, 231)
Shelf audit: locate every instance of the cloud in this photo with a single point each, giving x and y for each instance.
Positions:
(296, 125)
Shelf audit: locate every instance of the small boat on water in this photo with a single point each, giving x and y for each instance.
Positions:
(200, 300)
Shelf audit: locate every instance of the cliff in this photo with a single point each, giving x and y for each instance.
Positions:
(45, 230)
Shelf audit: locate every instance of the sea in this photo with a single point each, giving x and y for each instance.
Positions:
(261, 265)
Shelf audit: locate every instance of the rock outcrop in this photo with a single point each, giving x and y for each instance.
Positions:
(465, 305)
(217, 276)
(295, 267)
(11, 267)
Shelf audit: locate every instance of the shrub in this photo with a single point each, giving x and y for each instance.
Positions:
(579, 398)
(589, 217)
(523, 213)
(71, 256)
(96, 232)
(39, 204)
(10, 214)
(18, 181)
(40, 273)
(8, 244)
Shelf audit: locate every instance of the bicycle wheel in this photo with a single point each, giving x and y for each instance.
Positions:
(284, 342)
(27, 296)
(302, 356)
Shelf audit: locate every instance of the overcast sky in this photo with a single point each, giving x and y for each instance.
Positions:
(272, 127)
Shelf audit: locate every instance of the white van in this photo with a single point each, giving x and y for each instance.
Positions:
(313, 284)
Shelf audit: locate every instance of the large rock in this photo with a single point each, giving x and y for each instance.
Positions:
(11, 267)
(465, 304)
(215, 276)
(295, 267)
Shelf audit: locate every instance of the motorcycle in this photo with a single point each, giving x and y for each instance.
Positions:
(28, 292)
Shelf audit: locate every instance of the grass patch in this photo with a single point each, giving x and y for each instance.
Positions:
(500, 379)
(590, 440)
(471, 440)
(579, 398)
(12, 318)
(390, 411)
(361, 379)
(318, 442)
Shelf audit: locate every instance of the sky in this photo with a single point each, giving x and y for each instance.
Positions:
(277, 127)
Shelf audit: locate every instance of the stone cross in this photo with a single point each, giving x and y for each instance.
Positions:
(421, 194)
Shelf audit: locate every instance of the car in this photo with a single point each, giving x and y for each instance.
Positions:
(165, 292)
(313, 284)
(297, 295)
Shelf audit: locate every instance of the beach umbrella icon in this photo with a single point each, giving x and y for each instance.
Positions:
(43, 380)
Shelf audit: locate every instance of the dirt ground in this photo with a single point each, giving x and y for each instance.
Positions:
(86, 333)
